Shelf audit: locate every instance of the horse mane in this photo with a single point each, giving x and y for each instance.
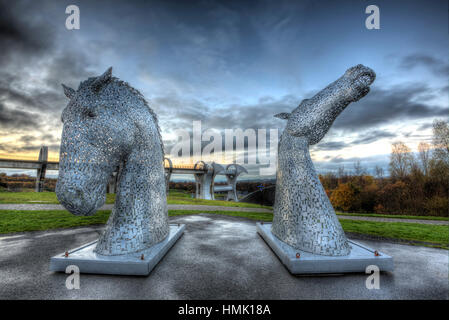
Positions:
(145, 103)
(90, 82)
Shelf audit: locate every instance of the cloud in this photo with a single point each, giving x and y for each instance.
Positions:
(332, 164)
(178, 112)
(372, 136)
(436, 66)
(20, 35)
(33, 63)
(332, 145)
(383, 106)
(17, 119)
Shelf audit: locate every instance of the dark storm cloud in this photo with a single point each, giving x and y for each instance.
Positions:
(17, 119)
(19, 33)
(363, 138)
(332, 145)
(425, 126)
(181, 112)
(373, 136)
(33, 64)
(27, 138)
(437, 66)
(383, 106)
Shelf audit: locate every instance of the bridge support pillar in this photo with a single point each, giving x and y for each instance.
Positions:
(232, 172)
(168, 174)
(112, 184)
(205, 181)
(40, 176)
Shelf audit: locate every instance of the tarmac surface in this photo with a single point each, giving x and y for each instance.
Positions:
(218, 257)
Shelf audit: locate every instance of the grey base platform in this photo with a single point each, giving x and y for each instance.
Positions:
(132, 264)
(309, 263)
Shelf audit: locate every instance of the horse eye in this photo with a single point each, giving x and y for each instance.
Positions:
(91, 114)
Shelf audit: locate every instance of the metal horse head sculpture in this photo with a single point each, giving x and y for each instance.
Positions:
(303, 215)
(108, 124)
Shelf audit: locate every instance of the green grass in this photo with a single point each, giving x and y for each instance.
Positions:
(28, 197)
(397, 216)
(21, 220)
(174, 197)
(18, 221)
(258, 216)
(436, 235)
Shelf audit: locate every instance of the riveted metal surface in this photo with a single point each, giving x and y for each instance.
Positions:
(303, 215)
(109, 125)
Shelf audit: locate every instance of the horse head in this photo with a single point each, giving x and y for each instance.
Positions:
(313, 117)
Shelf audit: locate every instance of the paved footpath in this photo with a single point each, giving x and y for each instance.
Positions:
(218, 257)
(35, 206)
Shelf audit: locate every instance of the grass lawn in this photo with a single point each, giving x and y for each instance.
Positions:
(397, 216)
(174, 197)
(435, 234)
(18, 221)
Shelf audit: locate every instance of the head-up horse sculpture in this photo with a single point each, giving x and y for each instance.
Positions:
(303, 215)
(108, 124)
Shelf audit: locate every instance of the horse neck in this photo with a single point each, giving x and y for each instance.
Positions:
(295, 164)
(136, 172)
(294, 153)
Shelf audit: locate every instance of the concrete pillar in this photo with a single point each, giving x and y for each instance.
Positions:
(205, 180)
(168, 173)
(40, 176)
(112, 184)
(232, 172)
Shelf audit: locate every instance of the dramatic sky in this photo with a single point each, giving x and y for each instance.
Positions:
(230, 65)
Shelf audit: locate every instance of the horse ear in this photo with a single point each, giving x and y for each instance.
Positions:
(103, 79)
(283, 115)
(69, 92)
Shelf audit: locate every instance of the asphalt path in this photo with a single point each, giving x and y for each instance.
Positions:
(218, 257)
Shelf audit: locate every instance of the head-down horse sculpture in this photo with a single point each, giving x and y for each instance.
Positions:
(108, 124)
(303, 215)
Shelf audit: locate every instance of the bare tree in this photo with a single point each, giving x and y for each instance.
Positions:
(379, 172)
(341, 171)
(401, 160)
(424, 156)
(358, 169)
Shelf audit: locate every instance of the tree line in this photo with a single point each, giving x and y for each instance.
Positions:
(417, 184)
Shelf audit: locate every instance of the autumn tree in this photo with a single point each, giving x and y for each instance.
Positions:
(343, 197)
(401, 160)
(424, 157)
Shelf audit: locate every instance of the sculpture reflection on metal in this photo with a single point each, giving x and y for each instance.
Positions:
(303, 215)
(108, 124)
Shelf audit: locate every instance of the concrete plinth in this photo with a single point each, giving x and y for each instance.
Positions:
(132, 264)
(309, 263)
